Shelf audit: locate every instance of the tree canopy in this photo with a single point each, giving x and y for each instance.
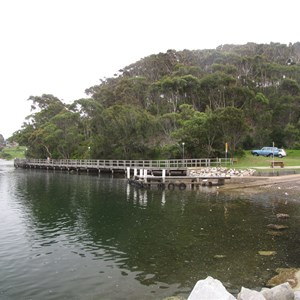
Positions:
(243, 95)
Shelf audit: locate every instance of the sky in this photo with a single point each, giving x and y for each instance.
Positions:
(63, 47)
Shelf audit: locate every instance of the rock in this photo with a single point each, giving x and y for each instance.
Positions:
(275, 233)
(277, 226)
(267, 253)
(247, 294)
(282, 216)
(219, 256)
(280, 292)
(290, 275)
(209, 289)
(220, 172)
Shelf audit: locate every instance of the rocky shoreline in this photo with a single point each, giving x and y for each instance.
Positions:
(211, 288)
(247, 182)
(220, 172)
(285, 285)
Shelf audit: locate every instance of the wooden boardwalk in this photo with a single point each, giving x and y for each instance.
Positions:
(172, 166)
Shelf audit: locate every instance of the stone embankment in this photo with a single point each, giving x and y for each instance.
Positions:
(213, 289)
(220, 172)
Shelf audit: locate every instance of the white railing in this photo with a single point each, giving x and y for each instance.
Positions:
(123, 164)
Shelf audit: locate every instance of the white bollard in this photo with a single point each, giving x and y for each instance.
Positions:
(163, 175)
(145, 174)
(128, 172)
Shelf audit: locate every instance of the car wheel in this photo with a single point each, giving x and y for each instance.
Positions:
(280, 156)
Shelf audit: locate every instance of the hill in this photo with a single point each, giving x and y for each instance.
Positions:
(240, 95)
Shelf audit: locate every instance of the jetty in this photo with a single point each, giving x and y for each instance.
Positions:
(173, 173)
(154, 167)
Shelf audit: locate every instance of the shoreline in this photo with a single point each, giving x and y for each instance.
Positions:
(286, 185)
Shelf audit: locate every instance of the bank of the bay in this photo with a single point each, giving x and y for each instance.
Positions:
(286, 283)
(211, 288)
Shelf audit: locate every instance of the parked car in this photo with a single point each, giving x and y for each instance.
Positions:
(269, 151)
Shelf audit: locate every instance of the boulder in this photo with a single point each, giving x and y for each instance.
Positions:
(279, 292)
(247, 294)
(297, 295)
(209, 289)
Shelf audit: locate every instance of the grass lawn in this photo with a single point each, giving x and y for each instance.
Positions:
(249, 161)
(13, 152)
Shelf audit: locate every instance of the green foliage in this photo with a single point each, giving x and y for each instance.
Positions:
(243, 95)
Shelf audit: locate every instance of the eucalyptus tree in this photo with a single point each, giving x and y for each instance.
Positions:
(51, 130)
(90, 112)
(232, 126)
(214, 88)
(126, 132)
(198, 130)
(132, 91)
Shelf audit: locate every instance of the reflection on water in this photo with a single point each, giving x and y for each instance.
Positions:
(87, 237)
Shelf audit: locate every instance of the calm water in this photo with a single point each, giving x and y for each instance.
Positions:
(88, 237)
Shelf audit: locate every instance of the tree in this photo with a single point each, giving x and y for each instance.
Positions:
(126, 132)
(232, 125)
(214, 88)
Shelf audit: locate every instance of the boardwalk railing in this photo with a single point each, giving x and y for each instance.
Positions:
(172, 164)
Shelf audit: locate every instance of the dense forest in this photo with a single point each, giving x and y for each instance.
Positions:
(243, 95)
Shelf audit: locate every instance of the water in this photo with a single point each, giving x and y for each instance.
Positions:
(67, 236)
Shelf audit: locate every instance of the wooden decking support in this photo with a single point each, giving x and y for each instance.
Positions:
(182, 182)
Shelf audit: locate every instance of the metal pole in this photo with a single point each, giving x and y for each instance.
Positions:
(183, 153)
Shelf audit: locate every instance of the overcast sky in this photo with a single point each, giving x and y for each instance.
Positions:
(62, 47)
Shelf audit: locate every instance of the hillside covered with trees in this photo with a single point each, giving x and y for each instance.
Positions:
(244, 95)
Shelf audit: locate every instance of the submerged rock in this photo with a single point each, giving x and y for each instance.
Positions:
(277, 226)
(282, 216)
(219, 256)
(267, 253)
(275, 233)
